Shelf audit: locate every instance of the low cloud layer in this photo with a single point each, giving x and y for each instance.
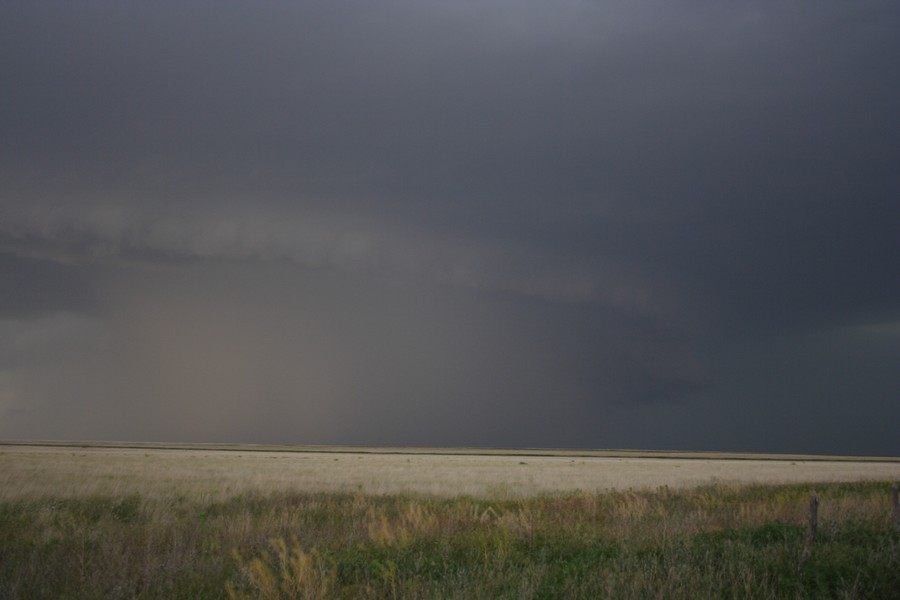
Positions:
(643, 224)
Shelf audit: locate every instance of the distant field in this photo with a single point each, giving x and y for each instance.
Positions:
(28, 471)
(153, 522)
(436, 450)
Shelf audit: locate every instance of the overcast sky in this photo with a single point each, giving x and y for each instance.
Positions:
(647, 223)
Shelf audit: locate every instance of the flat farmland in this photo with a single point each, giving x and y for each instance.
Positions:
(79, 471)
(118, 520)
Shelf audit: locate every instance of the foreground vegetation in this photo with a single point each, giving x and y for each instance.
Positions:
(723, 541)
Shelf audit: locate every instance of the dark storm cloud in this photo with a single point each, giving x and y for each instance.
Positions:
(33, 287)
(655, 199)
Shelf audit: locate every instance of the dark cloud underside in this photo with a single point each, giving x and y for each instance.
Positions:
(649, 224)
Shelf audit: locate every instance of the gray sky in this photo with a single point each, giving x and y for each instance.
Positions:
(649, 224)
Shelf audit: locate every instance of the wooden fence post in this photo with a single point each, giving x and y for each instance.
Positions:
(895, 505)
(813, 521)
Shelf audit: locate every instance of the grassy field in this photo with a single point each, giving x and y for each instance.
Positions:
(33, 471)
(148, 522)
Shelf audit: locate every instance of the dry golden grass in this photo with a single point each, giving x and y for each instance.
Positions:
(148, 522)
(38, 471)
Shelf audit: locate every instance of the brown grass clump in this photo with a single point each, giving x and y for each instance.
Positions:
(286, 571)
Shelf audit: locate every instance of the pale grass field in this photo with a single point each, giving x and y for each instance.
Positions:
(29, 472)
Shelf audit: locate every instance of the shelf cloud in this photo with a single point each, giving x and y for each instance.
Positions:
(644, 224)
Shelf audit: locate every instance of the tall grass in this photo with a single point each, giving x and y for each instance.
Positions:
(721, 541)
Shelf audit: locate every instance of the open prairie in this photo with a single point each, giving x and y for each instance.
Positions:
(28, 471)
(147, 521)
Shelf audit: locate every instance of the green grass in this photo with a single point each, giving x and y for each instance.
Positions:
(709, 542)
